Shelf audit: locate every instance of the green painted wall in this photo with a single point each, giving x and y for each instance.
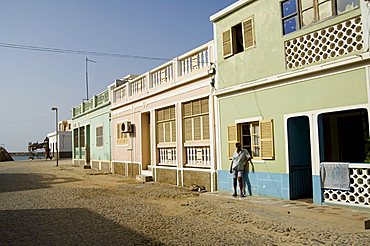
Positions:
(98, 117)
(268, 57)
(336, 90)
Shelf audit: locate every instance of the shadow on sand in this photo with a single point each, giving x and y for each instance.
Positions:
(32, 181)
(71, 226)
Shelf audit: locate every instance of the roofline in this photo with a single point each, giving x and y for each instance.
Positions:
(233, 7)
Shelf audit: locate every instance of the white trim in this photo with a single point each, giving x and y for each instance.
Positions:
(247, 120)
(126, 162)
(228, 10)
(218, 135)
(314, 132)
(291, 75)
(164, 96)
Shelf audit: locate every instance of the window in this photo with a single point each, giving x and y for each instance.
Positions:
(196, 133)
(75, 138)
(82, 136)
(238, 38)
(166, 135)
(122, 138)
(196, 120)
(301, 13)
(256, 137)
(99, 136)
(344, 136)
(166, 125)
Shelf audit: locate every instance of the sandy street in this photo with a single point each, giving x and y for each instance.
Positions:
(41, 204)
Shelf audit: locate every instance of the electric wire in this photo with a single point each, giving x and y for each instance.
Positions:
(79, 52)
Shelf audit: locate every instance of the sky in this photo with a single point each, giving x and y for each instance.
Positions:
(32, 82)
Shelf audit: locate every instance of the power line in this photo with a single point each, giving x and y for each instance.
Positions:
(79, 52)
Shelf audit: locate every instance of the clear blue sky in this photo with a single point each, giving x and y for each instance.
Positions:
(32, 82)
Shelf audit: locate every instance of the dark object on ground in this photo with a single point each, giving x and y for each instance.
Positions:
(4, 155)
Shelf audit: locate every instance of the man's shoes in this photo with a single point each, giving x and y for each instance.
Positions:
(235, 195)
(242, 195)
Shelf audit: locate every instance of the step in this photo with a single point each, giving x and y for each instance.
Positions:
(144, 178)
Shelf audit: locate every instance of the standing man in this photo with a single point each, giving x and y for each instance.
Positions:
(237, 167)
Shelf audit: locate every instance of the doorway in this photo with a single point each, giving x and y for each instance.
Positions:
(145, 141)
(299, 153)
(87, 144)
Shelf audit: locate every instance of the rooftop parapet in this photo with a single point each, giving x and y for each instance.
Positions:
(181, 69)
(97, 101)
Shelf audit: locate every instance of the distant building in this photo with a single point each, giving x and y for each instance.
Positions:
(64, 140)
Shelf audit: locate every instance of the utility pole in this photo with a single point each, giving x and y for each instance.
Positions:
(87, 77)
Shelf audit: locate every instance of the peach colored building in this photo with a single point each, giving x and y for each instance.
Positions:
(163, 122)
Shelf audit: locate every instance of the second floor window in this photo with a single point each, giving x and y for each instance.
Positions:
(300, 13)
(238, 38)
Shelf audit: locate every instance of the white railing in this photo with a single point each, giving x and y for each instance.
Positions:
(359, 193)
(167, 156)
(198, 156)
(137, 86)
(119, 94)
(194, 62)
(162, 75)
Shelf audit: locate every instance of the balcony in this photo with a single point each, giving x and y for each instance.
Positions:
(93, 103)
(198, 156)
(330, 42)
(190, 66)
(359, 193)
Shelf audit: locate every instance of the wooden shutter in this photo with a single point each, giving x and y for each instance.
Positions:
(233, 136)
(173, 131)
(248, 34)
(267, 139)
(187, 109)
(226, 43)
(205, 121)
(188, 130)
(197, 129)
(160, 132)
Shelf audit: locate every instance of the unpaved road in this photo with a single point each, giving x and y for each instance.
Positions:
(41, 204)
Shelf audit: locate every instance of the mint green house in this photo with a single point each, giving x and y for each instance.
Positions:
(292, 85)
(91, 133)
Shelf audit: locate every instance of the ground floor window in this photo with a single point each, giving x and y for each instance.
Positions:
(256, 136)
(344, 136)
(99, 136)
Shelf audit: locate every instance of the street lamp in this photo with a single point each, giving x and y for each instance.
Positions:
(56, 131)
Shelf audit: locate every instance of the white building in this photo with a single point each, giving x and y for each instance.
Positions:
(64, 140)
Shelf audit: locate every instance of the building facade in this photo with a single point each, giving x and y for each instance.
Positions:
(292, 86)
(64, 138)
(91, 133)
(162, 122)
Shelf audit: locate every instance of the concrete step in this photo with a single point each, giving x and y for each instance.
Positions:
(144, 178)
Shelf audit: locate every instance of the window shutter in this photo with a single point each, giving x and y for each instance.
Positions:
(173, 131)
(197, 129)
(205, 119)
(267, 139)
(188, 130)
(232, 139)
(187, 109)
(160, 132)
(167, 132)
(226, 43)
(248, 34)
(205, 106)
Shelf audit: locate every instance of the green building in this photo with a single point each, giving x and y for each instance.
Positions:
(91, 133)
(292, 86)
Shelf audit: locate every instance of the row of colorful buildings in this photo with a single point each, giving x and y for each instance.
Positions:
(289, 79)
